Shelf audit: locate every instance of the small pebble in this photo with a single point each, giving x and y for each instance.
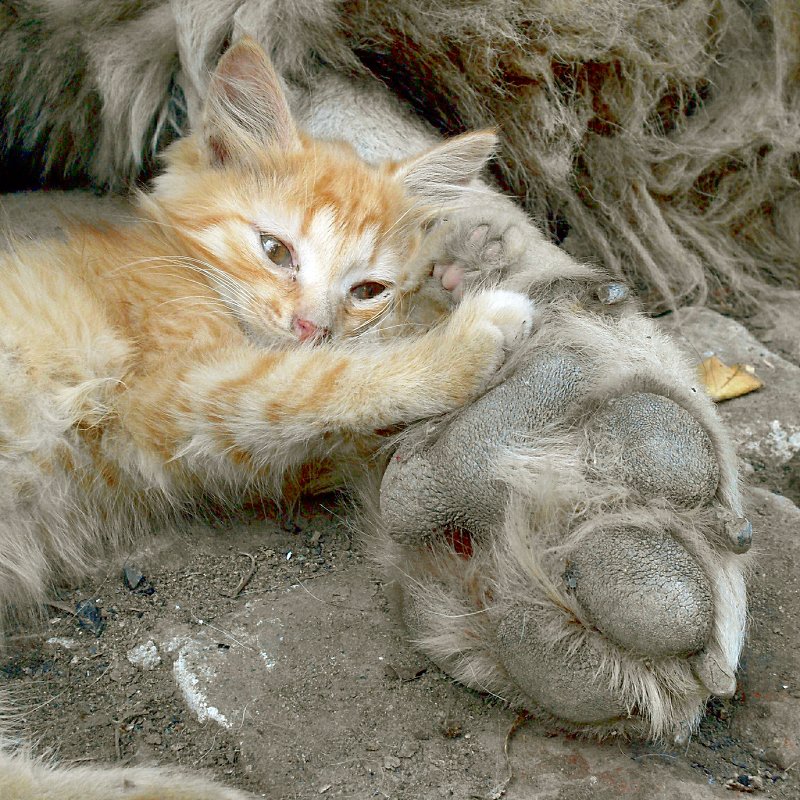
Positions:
(612, 293)
(132, 577)
(60, 641)
(144, 656)
(408, 749)
(745, 783)
(90, 617)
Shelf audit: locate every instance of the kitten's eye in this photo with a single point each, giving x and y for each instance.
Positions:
(367, 290)
(277, 252)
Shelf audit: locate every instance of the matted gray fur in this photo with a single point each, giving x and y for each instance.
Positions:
(661, 139)
(572, 541)
(561, 545)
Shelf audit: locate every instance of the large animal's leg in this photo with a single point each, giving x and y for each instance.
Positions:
(571, 541)
(362, 112)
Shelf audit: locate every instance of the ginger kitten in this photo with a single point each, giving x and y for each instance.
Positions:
(265, 317)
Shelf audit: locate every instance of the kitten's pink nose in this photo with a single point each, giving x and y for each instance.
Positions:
(305, 330)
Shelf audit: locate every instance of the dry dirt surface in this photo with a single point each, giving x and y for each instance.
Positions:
(261, 648)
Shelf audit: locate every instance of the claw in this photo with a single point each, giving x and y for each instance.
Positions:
(611, 294)
(713, 673)
(740, 534)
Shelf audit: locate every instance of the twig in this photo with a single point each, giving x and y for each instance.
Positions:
(61, 607)
(284, 586)
(246, 579)
(203, 755)
(329, 602)
(230, 636)
(500, 790)
(118, 723)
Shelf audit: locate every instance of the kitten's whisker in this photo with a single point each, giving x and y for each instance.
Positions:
(156, 261)
(408, 324)
(240, 295)
(223, 277)
(371, 323)
(209, 270)
(134, 219)
(190, 280)
(414, 207)
(198, 300)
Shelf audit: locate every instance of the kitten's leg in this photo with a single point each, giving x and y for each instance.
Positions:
(25, 569)
(272, 408)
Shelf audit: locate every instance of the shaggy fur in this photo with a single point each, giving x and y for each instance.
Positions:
(660, 139)
(150, 365)
(72, 92)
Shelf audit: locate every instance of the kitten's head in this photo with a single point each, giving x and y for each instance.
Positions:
(300, 238)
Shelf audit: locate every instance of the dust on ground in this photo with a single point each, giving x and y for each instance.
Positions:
(301, 685)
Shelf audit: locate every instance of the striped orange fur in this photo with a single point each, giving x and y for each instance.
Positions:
(267, 313)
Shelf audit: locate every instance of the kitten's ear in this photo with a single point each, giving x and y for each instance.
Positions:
(246, 109)
(440, 175)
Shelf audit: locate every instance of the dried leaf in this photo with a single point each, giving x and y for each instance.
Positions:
(722, 382)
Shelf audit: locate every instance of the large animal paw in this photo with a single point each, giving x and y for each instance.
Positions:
(572, 541)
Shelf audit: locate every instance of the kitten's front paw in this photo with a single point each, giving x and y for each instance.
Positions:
(507, 315)
(511, 312)
(489, 241)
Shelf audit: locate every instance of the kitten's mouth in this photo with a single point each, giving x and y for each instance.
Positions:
(321, 338)
(261, 337)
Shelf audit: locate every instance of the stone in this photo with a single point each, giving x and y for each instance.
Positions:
(144, 656)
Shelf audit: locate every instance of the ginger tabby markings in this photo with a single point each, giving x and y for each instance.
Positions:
(266, 315)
